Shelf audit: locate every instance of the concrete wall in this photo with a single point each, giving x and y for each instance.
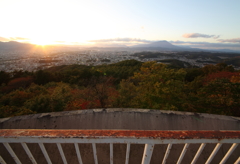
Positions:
(138, 119)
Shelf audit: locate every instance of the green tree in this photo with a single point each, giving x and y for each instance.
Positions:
(4, 77)
(155, 86)
(39, 104)
(10, 111)
(220, 96)
(42, 77)
(60, 96)
(208, 69)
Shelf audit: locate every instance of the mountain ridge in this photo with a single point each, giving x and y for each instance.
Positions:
(162, 44)
(153, 46)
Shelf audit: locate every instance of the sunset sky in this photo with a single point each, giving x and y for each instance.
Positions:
(195, 23)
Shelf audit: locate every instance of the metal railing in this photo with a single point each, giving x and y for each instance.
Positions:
(111, 137)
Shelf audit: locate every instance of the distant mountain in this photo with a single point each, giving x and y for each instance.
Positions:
(27, 47)
(154, 46)
(166, 46)
(162, 46)
(12, 45)
(224, 50)
(158, 44)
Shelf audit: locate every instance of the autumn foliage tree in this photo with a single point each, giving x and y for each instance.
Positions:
(208, 69)
(130, 84)
(100, 93)
(220, 96)
(220, 93)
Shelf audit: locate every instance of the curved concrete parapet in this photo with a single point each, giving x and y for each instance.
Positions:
(122, 118)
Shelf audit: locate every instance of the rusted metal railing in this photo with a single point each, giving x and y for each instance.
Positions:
(111, 137)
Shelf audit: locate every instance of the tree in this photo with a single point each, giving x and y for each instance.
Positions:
(192, 73)
(50, 98)
(220, 96)
(4, 77)
(155, 86)
(42, 77)
(60, 97)
(10, 111)
(220, 75)
(208, 69)
(102, 90)
(39, 104)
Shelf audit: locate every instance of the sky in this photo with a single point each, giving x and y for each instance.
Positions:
(211, 24)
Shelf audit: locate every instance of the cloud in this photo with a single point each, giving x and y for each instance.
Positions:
(205, 44)
(234, 40)
(18, 38)
(198, 35)
(60, 41)
(122, 40)
(4, 39)
(119, 42)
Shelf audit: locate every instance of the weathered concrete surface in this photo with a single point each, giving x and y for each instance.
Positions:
(137, 119)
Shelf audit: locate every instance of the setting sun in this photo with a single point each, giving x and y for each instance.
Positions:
(92, 22)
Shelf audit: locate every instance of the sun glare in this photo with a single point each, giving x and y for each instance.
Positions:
(40, 43)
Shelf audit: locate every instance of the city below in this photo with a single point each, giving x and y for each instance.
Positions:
(23, 59)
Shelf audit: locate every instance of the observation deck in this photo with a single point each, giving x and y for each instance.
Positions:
(120, 136)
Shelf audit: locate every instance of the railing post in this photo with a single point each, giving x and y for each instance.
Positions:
(24, 145)
(78, 153)
(45, 153)
(61, 153)
(167, 153)
(183, 153)
(213, 153)
(10, 150)
(111, 153)
(237, 161)
(127, 153)
(95, 153)
(147, 154)
(2, 160)
(232, 148)
(198, 153)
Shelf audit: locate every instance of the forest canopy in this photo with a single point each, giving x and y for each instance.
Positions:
(212, 89)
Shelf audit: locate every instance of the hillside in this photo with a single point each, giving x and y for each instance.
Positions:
(127, 84)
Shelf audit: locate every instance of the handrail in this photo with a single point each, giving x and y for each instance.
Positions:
(147, 137)
(166, 134)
